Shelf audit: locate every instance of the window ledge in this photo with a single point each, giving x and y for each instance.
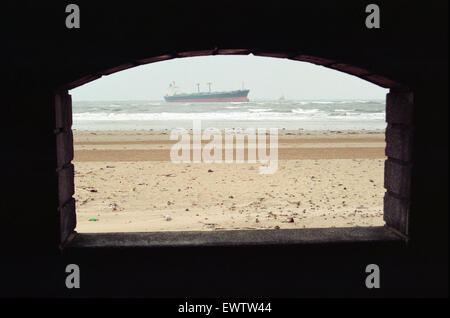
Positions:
(234, 237)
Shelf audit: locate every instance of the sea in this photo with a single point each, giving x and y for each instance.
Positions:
(281, 114)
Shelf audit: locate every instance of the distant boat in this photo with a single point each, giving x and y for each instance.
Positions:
(175, 95)
(281, 97)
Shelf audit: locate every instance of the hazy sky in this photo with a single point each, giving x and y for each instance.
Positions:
(267, 78)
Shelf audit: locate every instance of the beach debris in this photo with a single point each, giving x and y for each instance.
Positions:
(276, 227)
(210, 225)
(113, 206)
(167, 175)
(169, 203)
(86, 201)
(110, 167)
(270, 213)
(297, 203)
(257, 220)
(186, 209)
(168, 218)
(289, 220)
(210, 170)
(94, 220)
(93, 190)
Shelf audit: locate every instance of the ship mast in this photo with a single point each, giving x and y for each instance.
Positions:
(198, 87)
(209, 85)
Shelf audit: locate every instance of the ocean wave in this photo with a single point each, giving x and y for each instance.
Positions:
(343, 110)
(300, 115)
(311, 102)
(260, 109)
(322, 102)
(305, 111)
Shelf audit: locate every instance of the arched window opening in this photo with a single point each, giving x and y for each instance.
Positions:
(330, 147)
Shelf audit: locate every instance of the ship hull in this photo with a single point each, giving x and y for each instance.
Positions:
(211, 100)
(234, 96)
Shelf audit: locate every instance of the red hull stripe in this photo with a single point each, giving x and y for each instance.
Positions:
(224, 99)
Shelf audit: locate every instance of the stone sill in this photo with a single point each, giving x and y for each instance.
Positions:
(234, 238)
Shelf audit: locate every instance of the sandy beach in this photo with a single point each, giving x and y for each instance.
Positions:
(125, 182)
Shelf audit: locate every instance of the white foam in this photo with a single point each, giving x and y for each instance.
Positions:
(305, 111)
(260, 109)
(296, 114)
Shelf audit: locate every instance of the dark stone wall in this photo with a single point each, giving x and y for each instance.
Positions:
(40, 58)
(28, 175)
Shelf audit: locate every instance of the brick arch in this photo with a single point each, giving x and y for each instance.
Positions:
(399, 106)
(363, 72)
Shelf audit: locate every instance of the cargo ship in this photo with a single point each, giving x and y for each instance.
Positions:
(175, 95)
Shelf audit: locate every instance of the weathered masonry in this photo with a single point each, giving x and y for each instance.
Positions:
(399, 116)
(43, 60)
